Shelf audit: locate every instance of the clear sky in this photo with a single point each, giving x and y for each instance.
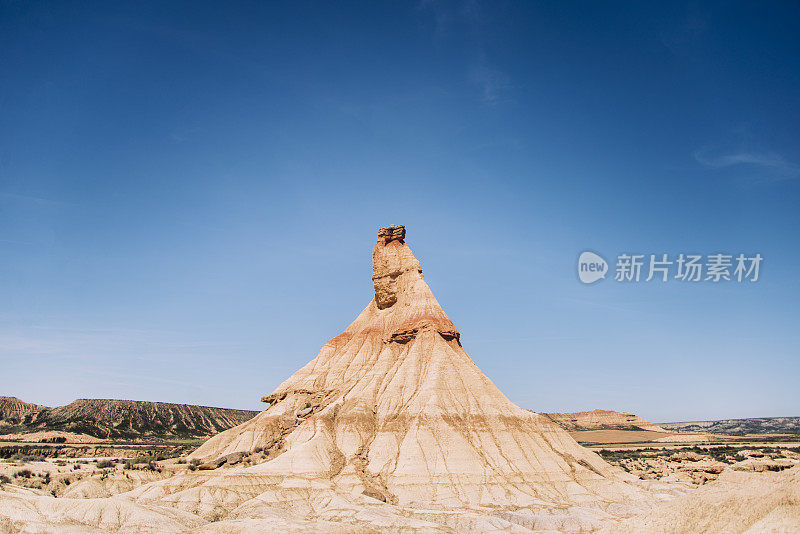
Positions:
(189, 194)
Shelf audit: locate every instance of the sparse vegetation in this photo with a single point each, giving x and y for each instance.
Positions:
(622, 454)
(24, 473)
(699, 464)
(55, 439)
(143, 459)
(143, 463)
(21, 457)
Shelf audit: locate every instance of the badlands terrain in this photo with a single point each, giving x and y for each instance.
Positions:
(393, 428)
(108, 418)
(757, 425)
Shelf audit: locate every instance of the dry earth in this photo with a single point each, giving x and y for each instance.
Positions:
(51, 436)
(737, 501)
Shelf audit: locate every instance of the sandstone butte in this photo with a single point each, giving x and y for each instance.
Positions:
(603, 419)
(391, 428)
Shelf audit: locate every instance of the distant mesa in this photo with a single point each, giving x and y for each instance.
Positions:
(753, 425)
(119, 419)
(603, 420)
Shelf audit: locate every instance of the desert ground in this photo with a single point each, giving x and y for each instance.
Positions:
(703, 485)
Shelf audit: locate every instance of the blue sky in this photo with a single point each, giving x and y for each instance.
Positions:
(189, 194)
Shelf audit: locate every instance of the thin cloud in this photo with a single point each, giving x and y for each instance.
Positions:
(467, 18)
(140, 378)
(31, 199)
(493, 83)
(684, 38)
(83, 344)
(27, 346)
(775, 165)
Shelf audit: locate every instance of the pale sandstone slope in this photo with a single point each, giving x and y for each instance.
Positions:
(396, 407)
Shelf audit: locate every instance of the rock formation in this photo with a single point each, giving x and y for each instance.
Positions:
(756, 425)
(110, 418)
(391, 427)
(603, 419)
(395, 409)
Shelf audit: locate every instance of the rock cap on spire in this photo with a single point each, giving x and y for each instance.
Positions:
(391, 233)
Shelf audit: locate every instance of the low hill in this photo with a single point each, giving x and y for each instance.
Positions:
(109, 418)
(603, 420)
(14, 411)
(755, 425)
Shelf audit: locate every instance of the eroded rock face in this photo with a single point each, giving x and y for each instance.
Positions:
(391, 260)
(112, 418)
(393, 408)
(14, 411)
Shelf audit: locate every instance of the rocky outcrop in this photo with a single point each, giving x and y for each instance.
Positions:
(760, 465)
(602, 419)
(394, 408)
(229, 459)
(392, 261)
(735, 502)
(392, 233)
